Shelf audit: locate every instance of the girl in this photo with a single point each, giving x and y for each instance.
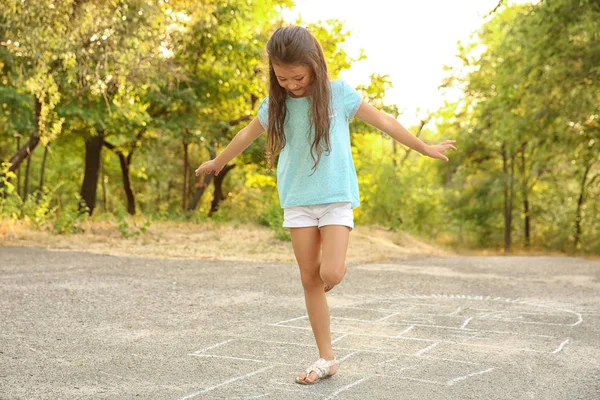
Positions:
(306, 117)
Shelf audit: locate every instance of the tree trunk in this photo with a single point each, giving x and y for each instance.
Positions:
(527, 222)
(508, 197)
(512, 197)
(43, 170)
(31, 144)
(218, 196)
(103, 182)
(526, 199)
(158, 198)
(580, 202)
(200, 188)
(25, 151)
(18, 174)
(218, 180)
(203, 184)
(26, 183)
(93, 150)
(125, 163)
(169, 188)
(186, 172)
(125, 172)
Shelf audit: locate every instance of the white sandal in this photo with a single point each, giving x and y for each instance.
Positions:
(321, 367)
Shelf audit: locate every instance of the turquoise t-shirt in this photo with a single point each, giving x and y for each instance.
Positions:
(334, 180)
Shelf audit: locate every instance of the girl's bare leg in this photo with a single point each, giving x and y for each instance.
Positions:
(307, 248)
(334, 239)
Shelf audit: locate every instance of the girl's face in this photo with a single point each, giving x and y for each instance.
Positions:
(296, 79)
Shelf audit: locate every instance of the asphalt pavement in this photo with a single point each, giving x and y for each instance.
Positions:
(75, 325)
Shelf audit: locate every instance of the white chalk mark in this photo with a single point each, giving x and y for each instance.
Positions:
(227, 357)
(344, 388)
(293, 327)
(248, 398)
(338, 339)
(502, 299)
(439, 326)
(401, 369)
(560, 347)
(579, 320)
(454, 312)
(387, 361)
(361, 334)
(347, 356)
(427, 340)
(407, 368)
(480, 309)
(290, 320)
(351, 349)
(405, 331)
(109, 374)
(277, 342)
(466, 322)
(411, 379)
(227, 382)
(426, 349)
(449, 360)
(387, 317)
(364, 321)
(393, 310)
(214, 346)
(462, 378)
(422, 315)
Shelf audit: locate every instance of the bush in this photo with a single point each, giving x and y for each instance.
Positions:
(272, 217)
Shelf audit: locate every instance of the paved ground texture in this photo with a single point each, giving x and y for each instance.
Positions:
(78, 326)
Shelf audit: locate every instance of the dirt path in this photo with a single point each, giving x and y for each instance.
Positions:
(211, 241)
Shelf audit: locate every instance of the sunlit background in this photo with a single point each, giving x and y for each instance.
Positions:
(410, 41)
(108, 107)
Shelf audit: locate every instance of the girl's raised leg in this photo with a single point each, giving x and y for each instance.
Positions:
(307, 248)
(334, 239)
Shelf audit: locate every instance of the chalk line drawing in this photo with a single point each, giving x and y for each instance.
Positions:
(437, 339)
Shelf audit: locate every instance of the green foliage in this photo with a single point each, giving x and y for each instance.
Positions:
(9, 199)
(41, 210)
(527, 126)
(157, 77)
(272, 217)
(397, 190)
(70, 218)
(127, 225)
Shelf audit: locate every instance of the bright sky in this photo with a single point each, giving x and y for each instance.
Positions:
(408, 40)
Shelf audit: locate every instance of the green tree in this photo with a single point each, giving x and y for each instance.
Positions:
(531, 97)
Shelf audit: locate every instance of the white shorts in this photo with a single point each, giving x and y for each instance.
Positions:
(319, 215)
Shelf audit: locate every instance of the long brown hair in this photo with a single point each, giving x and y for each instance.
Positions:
(295, 45)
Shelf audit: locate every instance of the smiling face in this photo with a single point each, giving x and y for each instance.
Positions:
(295, 79)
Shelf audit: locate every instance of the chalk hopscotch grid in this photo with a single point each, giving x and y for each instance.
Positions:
(417, 339)
(392, 312)
(353, 352)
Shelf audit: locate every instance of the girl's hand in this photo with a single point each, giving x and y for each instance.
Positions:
(208, 167)
(437, 150)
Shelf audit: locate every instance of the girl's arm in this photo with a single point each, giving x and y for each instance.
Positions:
(392, 127)
(240, 142)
